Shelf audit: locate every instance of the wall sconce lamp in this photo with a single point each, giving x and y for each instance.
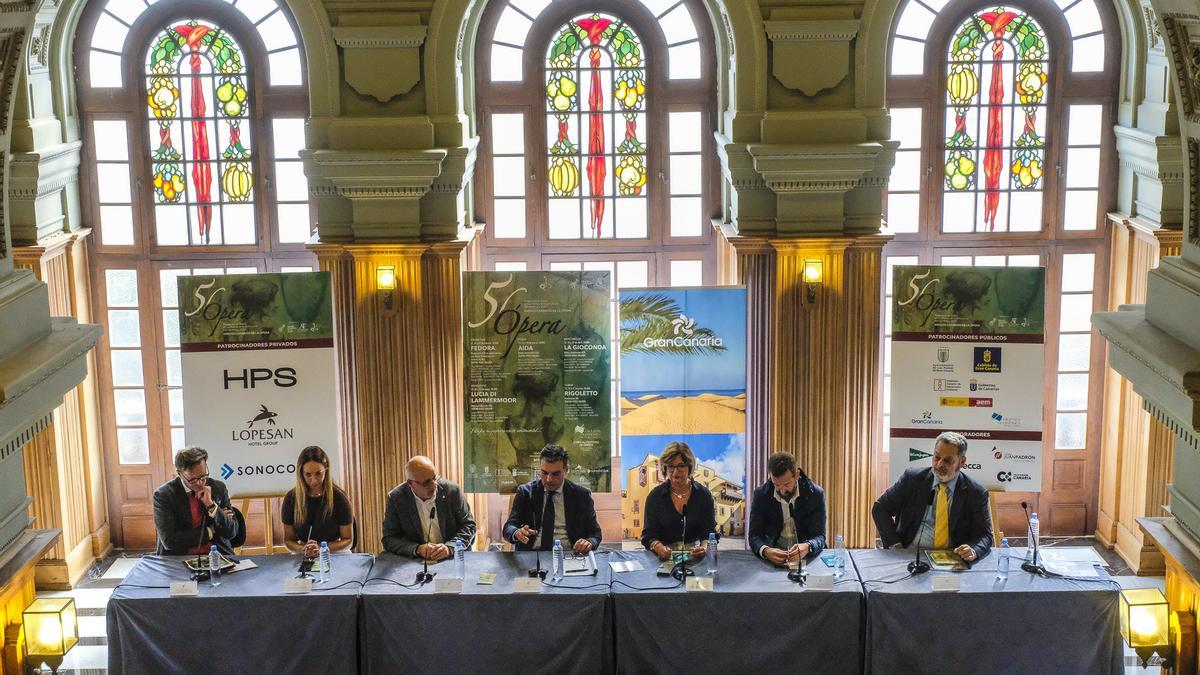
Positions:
(814, 274)
(385, 283)
(51, 629)
(1145, 624)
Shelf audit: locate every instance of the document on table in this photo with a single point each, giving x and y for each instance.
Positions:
(1084, 554)
(244, 564)
(1072, 568)
(626, 565)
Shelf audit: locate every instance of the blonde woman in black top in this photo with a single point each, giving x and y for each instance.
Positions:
(316, 510)
(671, 500)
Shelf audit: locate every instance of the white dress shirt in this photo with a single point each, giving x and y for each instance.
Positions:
(560, 519)
(787, 536)
(433, 533)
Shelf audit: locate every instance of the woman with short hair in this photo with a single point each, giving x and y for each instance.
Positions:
(678, 495)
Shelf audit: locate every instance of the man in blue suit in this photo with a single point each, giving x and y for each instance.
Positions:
(787, 514)
(569, 515)
(939, 507)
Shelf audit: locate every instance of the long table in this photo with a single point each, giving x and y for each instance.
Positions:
(566, 627)
(755, 620)
(247, 622)
(1027, 624)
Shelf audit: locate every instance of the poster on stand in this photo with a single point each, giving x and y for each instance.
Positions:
(683, 378)
(967, 355)
(256, 353)
(537, 371)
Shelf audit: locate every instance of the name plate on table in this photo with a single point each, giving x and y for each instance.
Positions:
(704, 584)
(822, 582)
(447, 585)
(298, 585)
(527, 585)
(946, 583)
(183, 589)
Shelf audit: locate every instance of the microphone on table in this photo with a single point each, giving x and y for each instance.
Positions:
(918, 566)
(305, 565)
(798, 575)
(425, 576)
(540, 521)
(1032, 567)
(681, 571)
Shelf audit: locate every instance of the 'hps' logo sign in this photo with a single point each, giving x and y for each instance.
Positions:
(226, 471)
(683, 324)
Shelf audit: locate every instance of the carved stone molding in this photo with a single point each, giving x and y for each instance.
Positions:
(1193, 155)
(39, 48)
(37, 174)
(1182, 32)
(1156, 157)
(811, 55)
(1153, 33)
(814, 168)
(366, 49)
(11, 43)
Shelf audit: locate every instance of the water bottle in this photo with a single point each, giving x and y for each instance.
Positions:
(326, 570)
(839, 557)
(214, 566)
(1002, 561)
(712, 553)
(559, 563)
(460, 559)
(1034, 533)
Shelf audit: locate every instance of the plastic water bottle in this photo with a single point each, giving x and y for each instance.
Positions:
(712, 553)
(1034, 533)
(460, 559)
(559, 563)
(1002, 561)
(214, 566)
(839, 559)
(326, 570)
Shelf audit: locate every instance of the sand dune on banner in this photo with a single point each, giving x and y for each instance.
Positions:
(704, 414)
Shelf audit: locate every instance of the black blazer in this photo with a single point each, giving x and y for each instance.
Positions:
(899, 511)
(402, 532)
(529, 505)
(173, 520)
(766, 517)
(665, 524)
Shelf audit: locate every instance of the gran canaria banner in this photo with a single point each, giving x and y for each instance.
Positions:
(537, 368)
(967, 355)
(258, 374)
(683, 378)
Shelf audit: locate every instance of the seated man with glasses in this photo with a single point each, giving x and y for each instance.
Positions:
(676, 501)
(192, 510)
(425, 514)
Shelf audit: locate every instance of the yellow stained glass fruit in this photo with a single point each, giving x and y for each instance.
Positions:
(958, 181)
(1025, 177)
(1035, 169)
(566, 86)
(966, 166)
(237, 181)
(962, 84)
(564, 176)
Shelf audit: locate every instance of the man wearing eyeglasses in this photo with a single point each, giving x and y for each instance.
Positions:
(425, 514)
(192, 510)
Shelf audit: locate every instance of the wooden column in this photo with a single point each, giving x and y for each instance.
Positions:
(400, 368)
(1136, 449)
(64, 470)
(815, 378)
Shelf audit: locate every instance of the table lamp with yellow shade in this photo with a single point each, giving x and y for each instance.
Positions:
(51, 630)
(1145, 623)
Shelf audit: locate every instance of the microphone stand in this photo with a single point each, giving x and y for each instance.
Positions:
(1034, 567)
(918, 566)
(200, 574)
(681, 571)
(425, 576)
(304, 564)
(798, 575)
(537, 571)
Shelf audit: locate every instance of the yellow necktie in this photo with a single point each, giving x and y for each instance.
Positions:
(941, 519)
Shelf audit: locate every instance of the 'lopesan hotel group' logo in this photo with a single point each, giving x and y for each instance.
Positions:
(987, 359)
(269, 433)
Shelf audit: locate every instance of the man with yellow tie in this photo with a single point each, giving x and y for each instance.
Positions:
(939, 507)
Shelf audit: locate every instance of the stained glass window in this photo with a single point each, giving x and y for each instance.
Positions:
(199, 103)
(995, 152)
(595, 104)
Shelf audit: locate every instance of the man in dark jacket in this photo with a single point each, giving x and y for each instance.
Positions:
(192, 510)
(939, 507)
(787, 514)
(568, 516)
(425, 514)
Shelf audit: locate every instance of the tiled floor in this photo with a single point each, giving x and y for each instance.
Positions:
(90, 656)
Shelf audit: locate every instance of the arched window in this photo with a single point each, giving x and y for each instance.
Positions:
(596, 124)
(192, 120)
(1004, 115)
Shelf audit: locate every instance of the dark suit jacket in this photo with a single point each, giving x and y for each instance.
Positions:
(766, 517)
(530, 503)
(899, 511)
(664, 523)
(173, 519)
(402, 532)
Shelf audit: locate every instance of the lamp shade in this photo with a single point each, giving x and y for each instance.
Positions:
(814, 271)
(1144, 617)
(385, 278)
(51, 628)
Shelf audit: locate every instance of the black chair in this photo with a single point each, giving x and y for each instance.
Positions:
(239, 538)
(353, 534)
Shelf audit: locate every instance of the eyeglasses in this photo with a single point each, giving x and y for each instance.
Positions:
(193, 479)
(676, 467)
(424, 483)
